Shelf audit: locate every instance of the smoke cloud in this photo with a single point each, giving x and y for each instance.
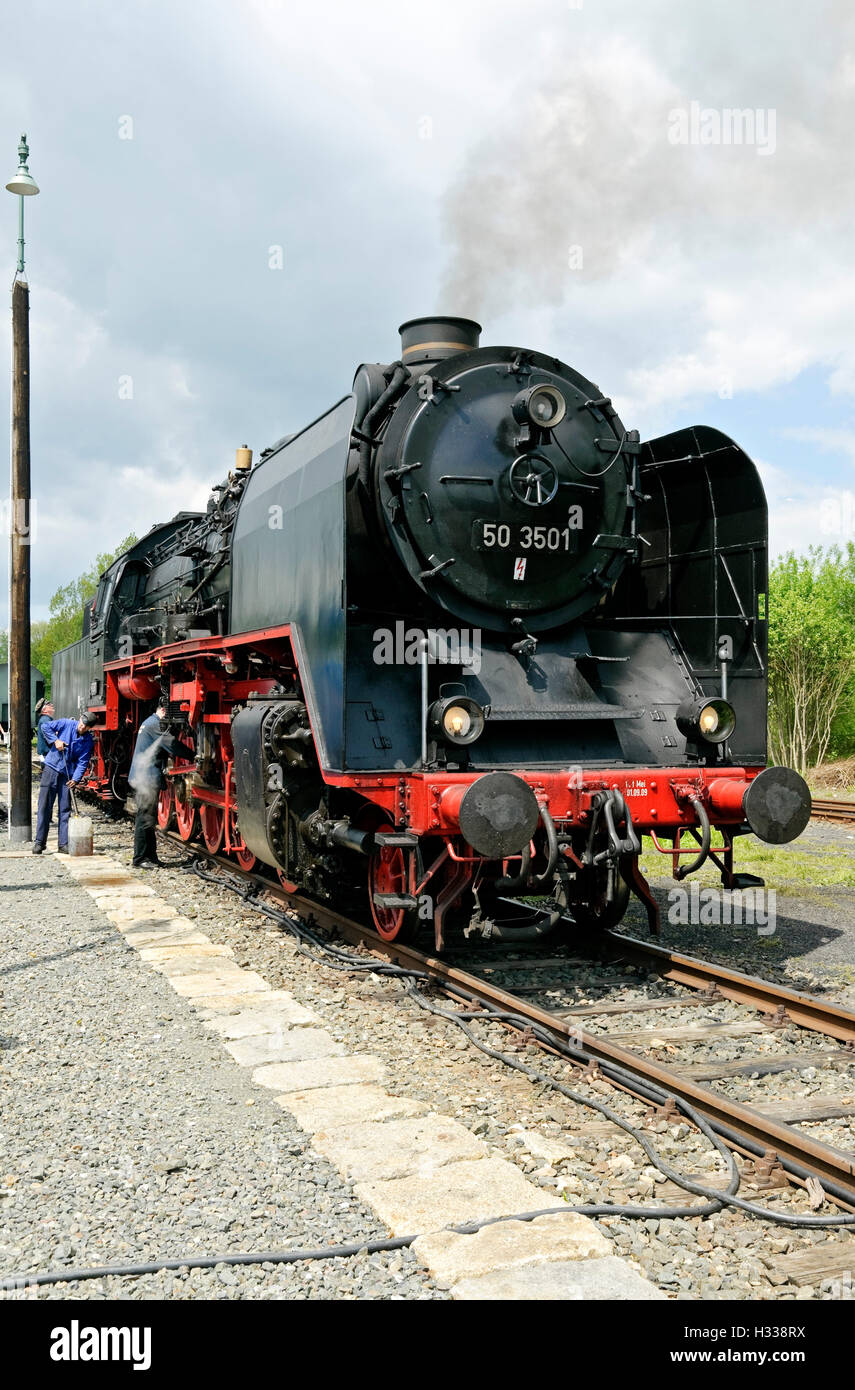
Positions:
(144, 778)
(587, 180)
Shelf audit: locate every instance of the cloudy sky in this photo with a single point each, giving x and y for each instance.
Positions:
(242, 199)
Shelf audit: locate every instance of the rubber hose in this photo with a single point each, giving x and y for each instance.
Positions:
(533, 932)
(544, 879)
(274, 1257)
(684, 870)
(514, 884)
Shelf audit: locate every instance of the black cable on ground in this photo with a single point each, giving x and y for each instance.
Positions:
(182, 863)
(273, 1257)
(334, 957)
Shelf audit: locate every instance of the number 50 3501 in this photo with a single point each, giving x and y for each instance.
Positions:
(504, 537)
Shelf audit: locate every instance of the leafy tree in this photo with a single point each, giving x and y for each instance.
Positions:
(842, 742)
(65, 624)
(811, 652)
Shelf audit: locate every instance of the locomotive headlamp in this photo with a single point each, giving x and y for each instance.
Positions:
(710, 720)
(543, 406)
(457, 720)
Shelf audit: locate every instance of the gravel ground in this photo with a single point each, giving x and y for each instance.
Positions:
(559, 1145)
(129, 1134)
(814, 939)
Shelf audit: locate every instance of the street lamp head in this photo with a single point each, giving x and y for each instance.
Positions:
(23, 182)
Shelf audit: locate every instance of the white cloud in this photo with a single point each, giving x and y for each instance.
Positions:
(804, 511)
(702, 263)
(834, 441)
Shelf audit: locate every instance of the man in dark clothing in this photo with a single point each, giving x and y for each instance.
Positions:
(70, 747)
(153, 749)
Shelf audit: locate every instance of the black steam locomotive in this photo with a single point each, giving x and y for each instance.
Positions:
(451, 648)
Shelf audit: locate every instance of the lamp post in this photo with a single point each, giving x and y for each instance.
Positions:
(23, 185)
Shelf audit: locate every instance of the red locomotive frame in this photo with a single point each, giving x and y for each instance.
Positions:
(204, 680)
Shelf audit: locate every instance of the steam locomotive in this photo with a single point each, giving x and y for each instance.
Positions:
(448, 651)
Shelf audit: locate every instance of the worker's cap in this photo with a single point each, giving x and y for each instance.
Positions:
(88, 718)
(40, 704)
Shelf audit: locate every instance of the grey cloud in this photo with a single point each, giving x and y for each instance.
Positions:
(583, 157)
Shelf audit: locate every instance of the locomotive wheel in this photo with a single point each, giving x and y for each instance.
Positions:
(600, 915)
(213, 827)
(245, 858)
(387, 873)
(165, 807)
(186, 819)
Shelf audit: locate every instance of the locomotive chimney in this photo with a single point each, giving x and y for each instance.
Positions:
(243, 459)
(429, 340)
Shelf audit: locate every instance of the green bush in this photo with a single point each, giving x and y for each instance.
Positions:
(811, 655)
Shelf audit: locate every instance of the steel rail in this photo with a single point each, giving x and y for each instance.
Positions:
(830, 809)
(787, 1005)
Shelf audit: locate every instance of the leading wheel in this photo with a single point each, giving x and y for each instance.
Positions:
(245, 858)
(387, 877)
(599, 915)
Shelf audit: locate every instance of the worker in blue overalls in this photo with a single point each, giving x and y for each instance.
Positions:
(45, 714)
(70, 749)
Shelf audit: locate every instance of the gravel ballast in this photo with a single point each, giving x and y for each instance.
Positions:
(129, 1135)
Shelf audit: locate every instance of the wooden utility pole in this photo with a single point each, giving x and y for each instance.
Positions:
(20, 713)
(23, 185)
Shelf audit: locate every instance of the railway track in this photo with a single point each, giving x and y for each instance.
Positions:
(830, 809)
(764, 1013)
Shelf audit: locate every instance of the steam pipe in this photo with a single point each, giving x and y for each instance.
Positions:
(399, 376)
(215, 569)
(423, 662)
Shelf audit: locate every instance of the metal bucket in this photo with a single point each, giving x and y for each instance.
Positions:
(80, 835)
